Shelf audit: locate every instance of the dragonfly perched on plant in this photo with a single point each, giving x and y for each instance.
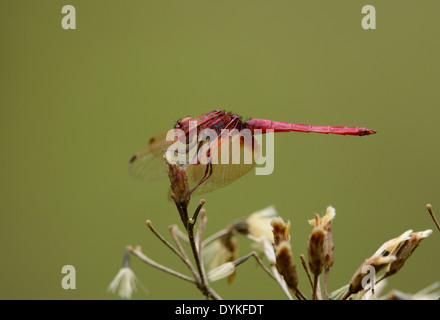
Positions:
(203, 177)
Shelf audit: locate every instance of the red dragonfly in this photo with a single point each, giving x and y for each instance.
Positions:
(150, 164)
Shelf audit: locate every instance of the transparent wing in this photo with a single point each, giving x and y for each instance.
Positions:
(229, 156)
(149, 164)
(232, 163)
(222, 175)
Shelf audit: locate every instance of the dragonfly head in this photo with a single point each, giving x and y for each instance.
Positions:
(183, 123)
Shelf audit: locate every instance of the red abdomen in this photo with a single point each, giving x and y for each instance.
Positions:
(278, 126)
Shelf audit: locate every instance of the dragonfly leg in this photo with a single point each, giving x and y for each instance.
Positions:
(208, 173)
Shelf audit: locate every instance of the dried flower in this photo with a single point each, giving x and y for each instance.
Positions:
(283, 253)
(281, 231)
(286, 266)
(405, 250)
(258, 223)
(124, 283)
(392, 255)
(326, 224)
(376, 262)
(325, 221)
(316, 250)
(179, 183)
(392, 246)
(220, 251)
(179, 190)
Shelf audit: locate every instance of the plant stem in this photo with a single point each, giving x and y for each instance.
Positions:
(304, 264)
(161, 238)
(173, 230)
(261, 263)
(429, 207)
(190, 230)
(215, 236)
(153, 263)
(346, 295)
(326, 274)
(299, 295)
(315, 287)
(201, 228)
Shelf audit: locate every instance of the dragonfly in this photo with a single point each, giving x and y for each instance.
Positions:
(207, 176)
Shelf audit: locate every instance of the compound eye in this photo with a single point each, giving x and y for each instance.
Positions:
(185, 121)
(181, 124)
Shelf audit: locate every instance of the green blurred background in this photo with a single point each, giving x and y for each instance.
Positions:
(77, 104)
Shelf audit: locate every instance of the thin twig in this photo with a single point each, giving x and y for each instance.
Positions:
(326, 274)
(242, 259)
(161, 238)
(153, 263)
(304, 264)
(199, 207)
(209, 291)
(299, 295)
(346, 295)
(261, 263)
(173, 230)
(429, 207)
(315, 287)
(318, 291)
(182, 235)
(200, 230)
(215, 236)
(126, 261)
(214, 295)
(190, 229)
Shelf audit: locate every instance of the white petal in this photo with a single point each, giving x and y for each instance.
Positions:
(221, 272)
(124, 283)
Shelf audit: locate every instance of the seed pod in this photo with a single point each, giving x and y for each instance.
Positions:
(286, 266)
(316, 250)
(280, 231)
(378, 263)
(406, 250)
